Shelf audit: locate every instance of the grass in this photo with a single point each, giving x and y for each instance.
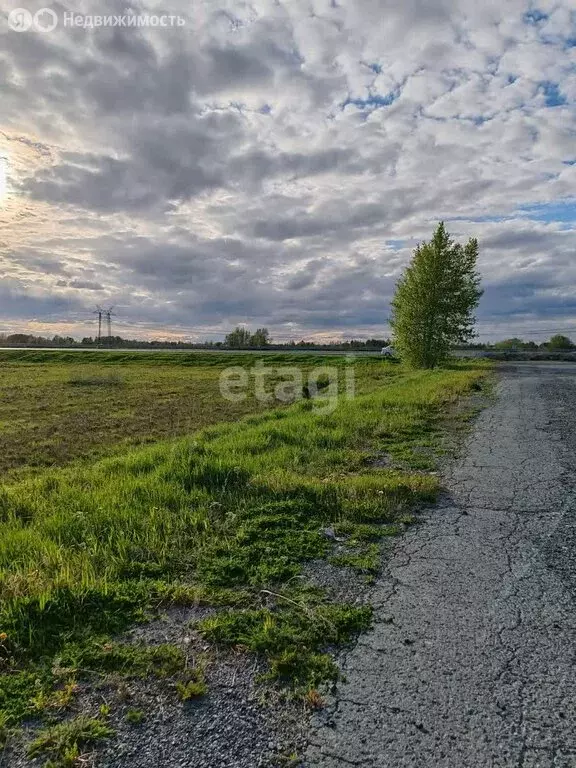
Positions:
(193, 688)
(135, 716)
(61, 407)
(131, 660)
(62, 743)
(225, 516)
(292, 636)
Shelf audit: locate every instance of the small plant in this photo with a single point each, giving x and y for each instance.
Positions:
(192, 689)
(134, 716)
(364, 559)
(313, 699)
(62, 743)
(57, 699)
(4, 730)
(130, 660)
(292, 637)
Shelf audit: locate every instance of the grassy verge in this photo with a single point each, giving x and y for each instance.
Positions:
(225, 517)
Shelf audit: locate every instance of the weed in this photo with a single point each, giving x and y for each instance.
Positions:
(4, 730)
(192, 688)
(313, 699)
(62, 742)
(18, 692)
(125, 659)
(135, 716)
(364, 559)
(57, 699)
(291, 636)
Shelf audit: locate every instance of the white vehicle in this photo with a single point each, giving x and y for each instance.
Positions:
(388, 351)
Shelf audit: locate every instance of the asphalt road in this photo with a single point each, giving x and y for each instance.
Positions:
(471, 662)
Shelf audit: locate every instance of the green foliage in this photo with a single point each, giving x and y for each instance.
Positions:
(560, 342)
(62, 742)
(291, 636)
(365, 559)
(17, 692)
(4, 730)
(435, 299)
(131, 660)
(241, 338)
(135, 716)
(192, 688)
(302, 669)
(41, 623)
(271, 541)
(514, 343)
(364, 531)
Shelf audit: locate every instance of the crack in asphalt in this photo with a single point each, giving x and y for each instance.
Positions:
(471, 660)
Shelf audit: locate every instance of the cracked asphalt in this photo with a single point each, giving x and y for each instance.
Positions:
(470, 662)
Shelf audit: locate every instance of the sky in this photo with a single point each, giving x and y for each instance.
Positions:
(273, 163)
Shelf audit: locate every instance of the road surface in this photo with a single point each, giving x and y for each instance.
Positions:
(471, 661)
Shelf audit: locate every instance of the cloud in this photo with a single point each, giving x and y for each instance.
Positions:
(273, 163)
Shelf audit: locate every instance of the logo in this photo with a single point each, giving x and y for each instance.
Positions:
(20, 20)
(45, 20)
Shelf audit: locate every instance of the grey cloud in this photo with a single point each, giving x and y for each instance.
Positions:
(16, 302)
(86, 285)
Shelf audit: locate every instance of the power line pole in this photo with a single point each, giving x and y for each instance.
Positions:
(109, 313)
(99, 311)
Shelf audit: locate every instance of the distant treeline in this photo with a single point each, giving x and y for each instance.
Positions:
(558, 342)
(234, 340)
(242, 338)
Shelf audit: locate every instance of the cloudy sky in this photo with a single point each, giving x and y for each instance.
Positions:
(274, 162)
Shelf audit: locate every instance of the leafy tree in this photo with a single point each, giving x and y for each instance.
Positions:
(261, 338)
(513, 343)
(239, 338)
(560, 342)
(435, 300)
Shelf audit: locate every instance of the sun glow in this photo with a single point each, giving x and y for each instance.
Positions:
(3, 177)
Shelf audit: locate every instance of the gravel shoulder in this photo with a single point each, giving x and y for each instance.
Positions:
(470, 662)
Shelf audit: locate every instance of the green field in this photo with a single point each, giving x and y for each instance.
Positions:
(58, 407)
(224, 516)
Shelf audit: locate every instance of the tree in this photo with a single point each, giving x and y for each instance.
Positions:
(261, 338)
(513, 343)
(239, 338)
(560, 342)
(435, 300)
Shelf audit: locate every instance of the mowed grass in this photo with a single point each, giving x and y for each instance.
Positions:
(59, 407)
(223, 517)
